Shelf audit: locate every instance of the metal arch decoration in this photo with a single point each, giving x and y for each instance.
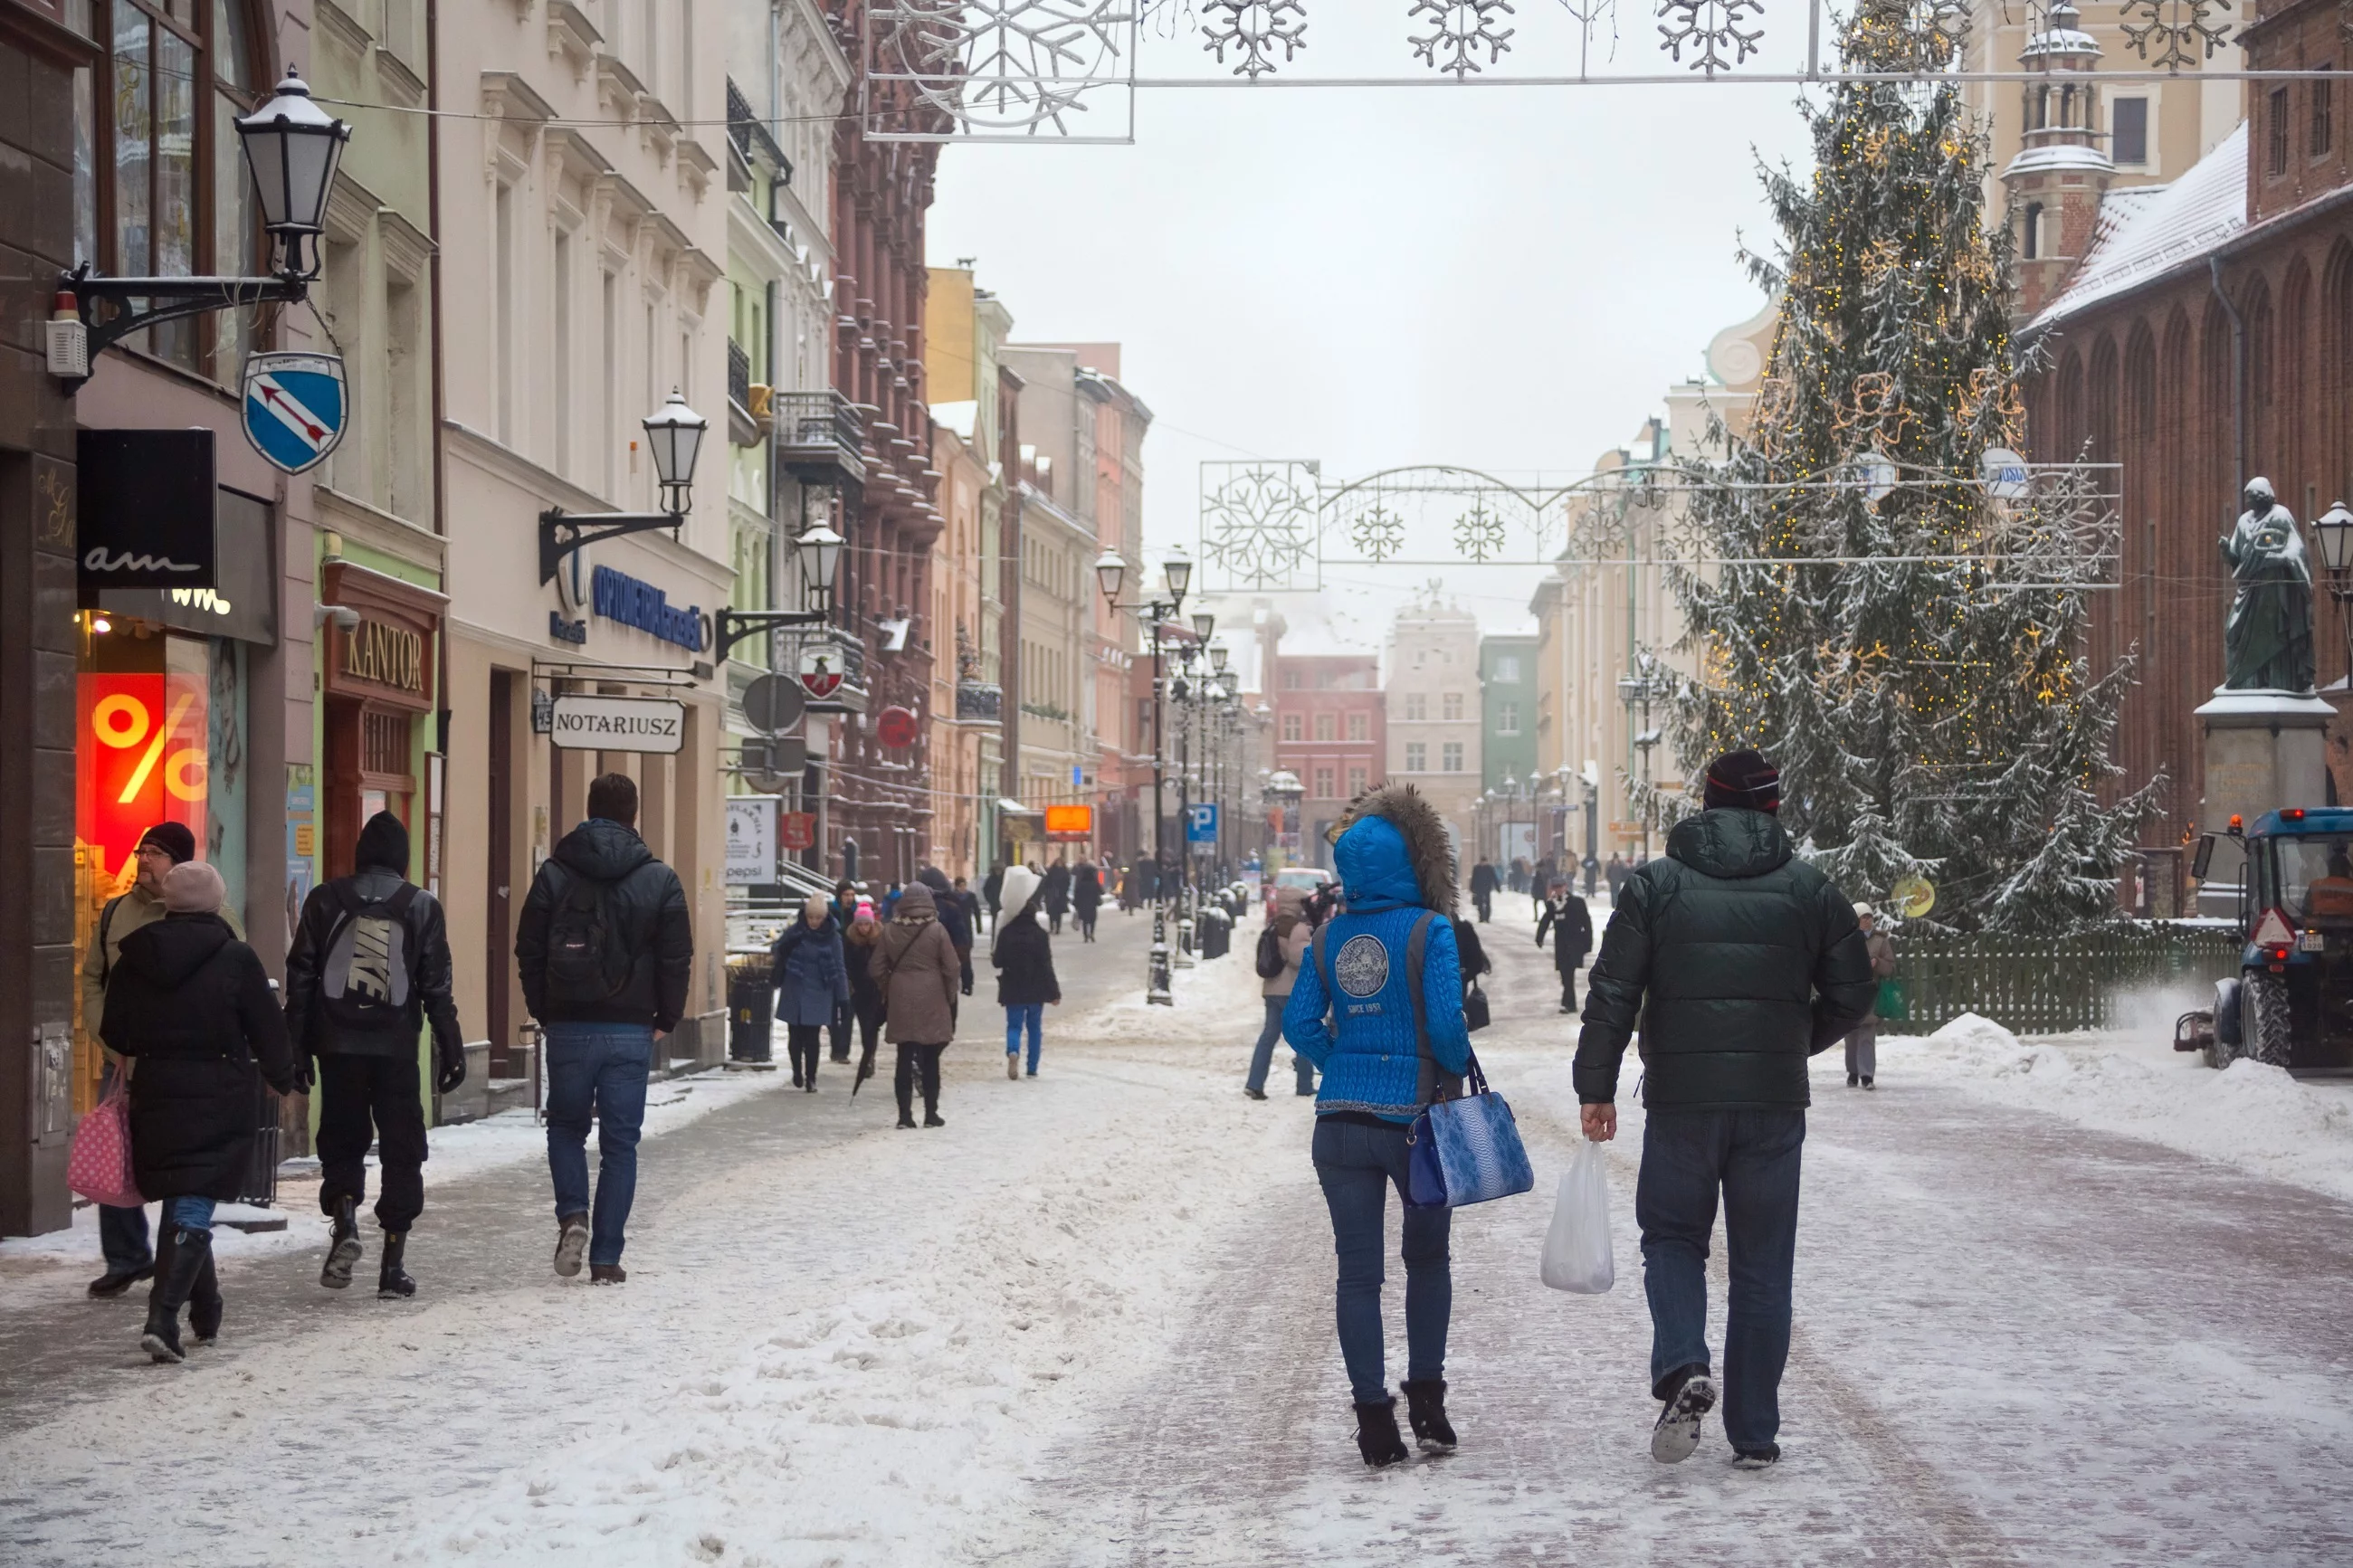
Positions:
(1004, 70)
(2175, 30)
(1458, 30)
(1479, 532)
(1259, 525)
(1255, 28)
(1712, 30)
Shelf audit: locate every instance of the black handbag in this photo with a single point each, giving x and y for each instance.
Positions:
(1474, 1009)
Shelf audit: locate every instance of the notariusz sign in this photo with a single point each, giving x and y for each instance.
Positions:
(618, 724)
(617, 596)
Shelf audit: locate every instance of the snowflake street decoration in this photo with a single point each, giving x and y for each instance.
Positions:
(1378, 532)
(1001, 67)
(1258, 526)
(1458, 28)
(1254, 27)
(1479, 532)
(1712, 30)
(2174, 29)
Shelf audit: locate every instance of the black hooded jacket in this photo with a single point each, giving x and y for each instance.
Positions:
(1736, 961)
(191, 1003)
(1024, 957)
(382, 860)
(647, 904)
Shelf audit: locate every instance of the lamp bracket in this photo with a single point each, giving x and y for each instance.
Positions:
(732, 626)
(180, 297)
(561, 532)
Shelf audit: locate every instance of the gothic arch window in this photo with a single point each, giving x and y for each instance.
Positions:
(2262, 387)
(2031, 237)
(160, 186)
(2335, 460)
(2292, 391)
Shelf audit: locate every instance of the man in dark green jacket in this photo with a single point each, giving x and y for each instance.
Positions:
(1738, 963)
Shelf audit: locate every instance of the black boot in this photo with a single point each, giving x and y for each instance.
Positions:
(204, 1303)
(392, 1282)
(181, 1255)
(1376, 1434)
(342, 1248)
(1425, 1406)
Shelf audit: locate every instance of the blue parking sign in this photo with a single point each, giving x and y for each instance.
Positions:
(1201, 824)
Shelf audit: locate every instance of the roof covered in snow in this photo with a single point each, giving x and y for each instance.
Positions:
(2146, 232)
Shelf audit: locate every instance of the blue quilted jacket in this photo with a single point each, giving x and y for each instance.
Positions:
(1352, 1016)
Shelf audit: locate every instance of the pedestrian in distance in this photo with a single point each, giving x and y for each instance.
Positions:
(1281, 947)
(1616, 872)
(845, 911)
(1738, 962)
(1058, 894)
(969, 902)
(1540, 885)
(1086, 898)
(992, 892)
(1483, 888)
(1571, 923)
(812, 981)
(1024, 957)
(190, 1009)
(865, 995)
(950, 911)
(370, 966)
(1862, 1040)
(605, 950)
(1387, 975)
(891, 900)
(914, 966)
(122, 1232)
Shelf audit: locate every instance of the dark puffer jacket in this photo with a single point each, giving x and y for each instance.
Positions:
(191, 1003)
(649, 907)
(1025, 960)
(1736, 960)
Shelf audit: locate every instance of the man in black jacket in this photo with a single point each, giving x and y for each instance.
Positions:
(605, 948)
(1739, 962)
(955, 918)
(370, 964)
(1483, 888)
(1571, 923)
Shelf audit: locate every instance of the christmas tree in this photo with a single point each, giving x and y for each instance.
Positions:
(1910, 650)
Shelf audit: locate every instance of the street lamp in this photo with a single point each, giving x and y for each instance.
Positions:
(674, 432)
(1204, 624)
(1217, 658)
(1176, 570)
(291, 151)
(1111, 570)
(2334, 528)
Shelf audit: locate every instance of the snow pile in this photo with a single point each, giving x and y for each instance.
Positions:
(2250, 1115)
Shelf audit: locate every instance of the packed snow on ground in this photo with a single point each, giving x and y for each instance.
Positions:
(2248, 1115)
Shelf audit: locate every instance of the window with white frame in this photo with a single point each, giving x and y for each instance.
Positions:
(1507, 718)
(1416, 707)
(1416, 757)
(1451, 706)
(1450, 757)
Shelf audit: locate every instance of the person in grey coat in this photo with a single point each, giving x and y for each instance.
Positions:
(1862, 1040)
(812, 983)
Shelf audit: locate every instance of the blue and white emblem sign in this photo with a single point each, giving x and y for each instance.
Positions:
(295, 409)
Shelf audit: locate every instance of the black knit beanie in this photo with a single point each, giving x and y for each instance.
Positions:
(173, 838)
(383, 842)
(1743, 780)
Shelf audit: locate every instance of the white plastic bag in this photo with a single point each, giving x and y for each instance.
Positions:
(1576, 1248)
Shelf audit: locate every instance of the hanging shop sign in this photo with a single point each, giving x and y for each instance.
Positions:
(242, 603)
(146, 511)
(1070, 822)
(617, 596)
(799, 829)
(618, 724)
(820, 670)
(895, 727)
(294, 407)
(751, 840)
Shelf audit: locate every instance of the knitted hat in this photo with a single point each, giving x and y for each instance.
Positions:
(173, 838)
(1743, 778)
(193, 887)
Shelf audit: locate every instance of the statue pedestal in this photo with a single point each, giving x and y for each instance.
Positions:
(2265, 750)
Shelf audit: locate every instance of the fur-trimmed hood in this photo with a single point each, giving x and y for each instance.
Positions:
(1392, 846)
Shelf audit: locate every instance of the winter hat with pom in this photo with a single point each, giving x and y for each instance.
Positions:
(1021, 885)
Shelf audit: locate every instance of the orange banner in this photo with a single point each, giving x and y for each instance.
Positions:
(1070, 822)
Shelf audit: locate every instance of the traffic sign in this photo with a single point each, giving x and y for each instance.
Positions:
(294, 407)
(895, 728)
(772, 704)
(1201, 823)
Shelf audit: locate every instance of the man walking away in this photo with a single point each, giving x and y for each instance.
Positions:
(992, 890)
(1738, 962)
(605, 948)
(1058, 895)
(1862, 1040)
(122, 1232)
(955, 918)
(1483, 888)
(369, 965)
(1616, 872)
(1571, 923)
(969, 902)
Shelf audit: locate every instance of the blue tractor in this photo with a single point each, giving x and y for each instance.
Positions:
(2292, 1004)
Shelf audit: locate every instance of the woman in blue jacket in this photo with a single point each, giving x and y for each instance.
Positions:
(812, 981)
(1388, 974)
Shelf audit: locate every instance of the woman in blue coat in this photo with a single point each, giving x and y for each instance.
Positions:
(812, 981)
(1378, 1007)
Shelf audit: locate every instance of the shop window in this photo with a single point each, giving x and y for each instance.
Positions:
(160, 185)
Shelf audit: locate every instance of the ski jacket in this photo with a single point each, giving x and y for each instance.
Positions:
(1736, 961)
(424, 936)
(811, 975)
(649, 907)
(1395, 864)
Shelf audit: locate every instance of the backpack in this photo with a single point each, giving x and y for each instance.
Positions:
(1269, 952)
(366, 971)
(587, 962)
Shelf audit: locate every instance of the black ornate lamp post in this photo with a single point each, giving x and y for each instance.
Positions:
(674, 433)
(2334, 528)
(1177, 572)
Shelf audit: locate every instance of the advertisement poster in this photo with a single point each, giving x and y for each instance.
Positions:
(751, 840)
(144, 761)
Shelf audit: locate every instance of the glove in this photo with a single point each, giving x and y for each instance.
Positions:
(306, 1073)
(452, 1073)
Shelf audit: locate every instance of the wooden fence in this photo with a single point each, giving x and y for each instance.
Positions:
(2051, 985)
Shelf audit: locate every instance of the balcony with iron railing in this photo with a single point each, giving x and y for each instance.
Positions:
(980, 700)
(819, 437)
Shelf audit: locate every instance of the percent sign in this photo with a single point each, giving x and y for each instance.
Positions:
(122, 722)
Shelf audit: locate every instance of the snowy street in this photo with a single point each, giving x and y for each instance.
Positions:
(1089, 1322)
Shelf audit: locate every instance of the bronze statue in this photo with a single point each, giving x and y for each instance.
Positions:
(2267, 642)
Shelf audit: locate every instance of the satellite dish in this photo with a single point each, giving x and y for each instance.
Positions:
(2005, 474)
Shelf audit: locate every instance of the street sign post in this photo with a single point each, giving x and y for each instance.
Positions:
(772, 704)
(1201, 828)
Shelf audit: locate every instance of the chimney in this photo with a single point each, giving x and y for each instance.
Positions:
(2061, 172)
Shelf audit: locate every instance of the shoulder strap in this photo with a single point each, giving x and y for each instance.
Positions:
(1322, 953)
(105, 924)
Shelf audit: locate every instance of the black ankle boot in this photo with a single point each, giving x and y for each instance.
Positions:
(342, 1248)
(392, 1282)
(1376, 1434)
(204, 1303)
(1425, 1407)
(176, 1279)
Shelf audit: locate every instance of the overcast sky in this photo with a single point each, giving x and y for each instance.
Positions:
(1505, 279)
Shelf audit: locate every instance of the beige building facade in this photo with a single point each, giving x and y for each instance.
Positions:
(1431, 699)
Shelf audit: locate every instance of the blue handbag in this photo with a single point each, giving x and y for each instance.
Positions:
(1465, 1151)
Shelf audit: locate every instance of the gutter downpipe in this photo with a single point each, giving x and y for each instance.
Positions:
(2238, 377)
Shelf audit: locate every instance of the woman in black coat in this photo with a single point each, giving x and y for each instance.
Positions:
(1024, 957)
(190, 1007)
(865, 995)
(1058, 895)
(1086, 897)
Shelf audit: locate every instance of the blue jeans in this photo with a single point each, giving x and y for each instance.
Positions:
(1030, 1015)
(603, 1066)
(1356, 1164)
(1754, 1156)
(188, 1214)
(1262, 1053)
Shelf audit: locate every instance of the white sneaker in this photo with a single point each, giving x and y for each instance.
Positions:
(1677, 1433)
(571, 1244)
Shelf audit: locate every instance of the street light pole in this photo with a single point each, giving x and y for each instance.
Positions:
(1111, 567)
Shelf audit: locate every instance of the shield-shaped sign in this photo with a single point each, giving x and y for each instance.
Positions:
(821, 672)
(295, 407)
